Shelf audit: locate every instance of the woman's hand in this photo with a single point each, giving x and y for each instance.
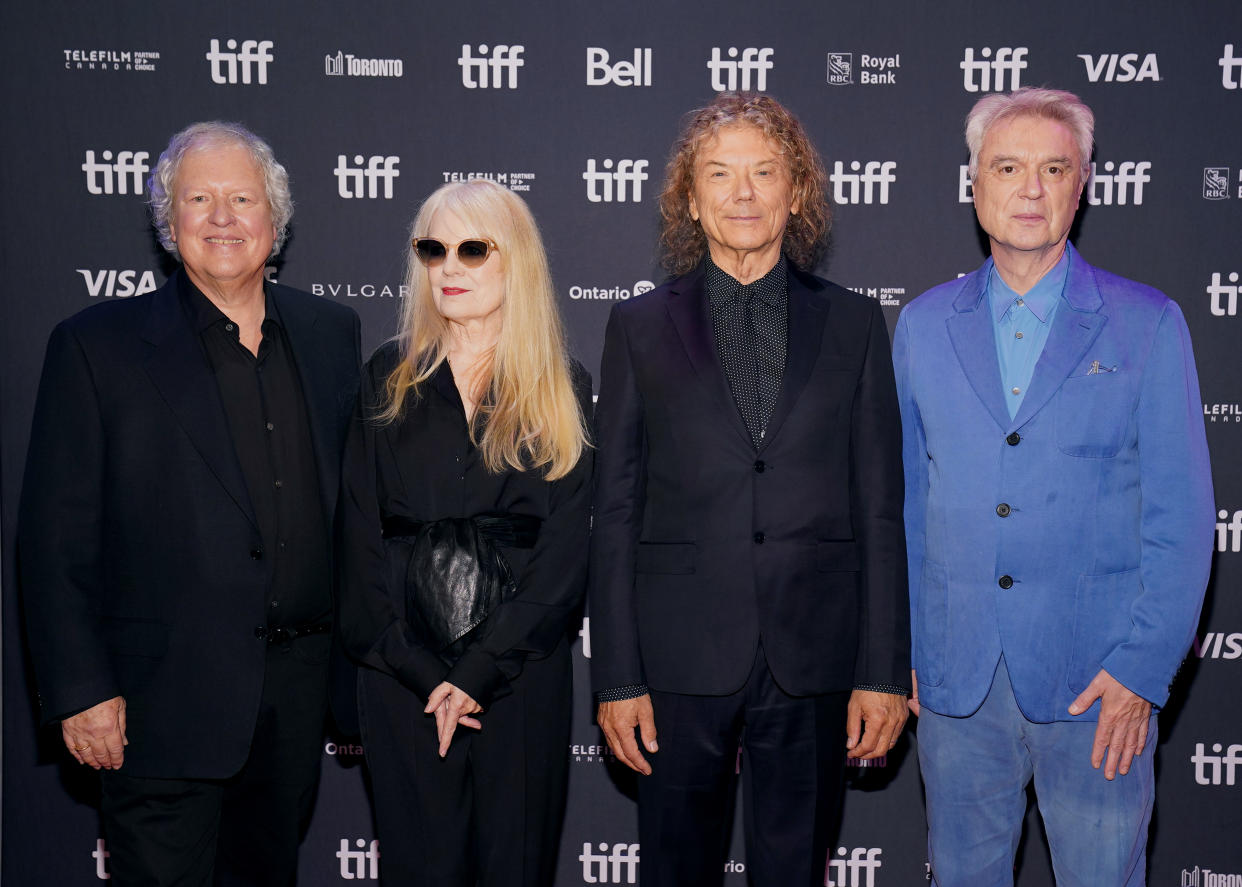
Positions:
(452, 706)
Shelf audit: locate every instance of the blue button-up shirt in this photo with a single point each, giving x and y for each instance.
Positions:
(1021, 324)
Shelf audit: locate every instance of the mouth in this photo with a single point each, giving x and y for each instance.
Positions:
(452, 290)
(226, 241)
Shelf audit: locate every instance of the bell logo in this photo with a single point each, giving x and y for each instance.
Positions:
(862, 183)
(600, 183)
(753, 61)
(991, 71)
(620, 73)
(1120, 187)
(855, 870)
(1114, 68)
(504, 60)
(349, 179)
(225, 65)
(105, 177)
(361, 864)
(618, 866)
(1230, 69)
(1211, 769)
(1224, 298)
(120, 284)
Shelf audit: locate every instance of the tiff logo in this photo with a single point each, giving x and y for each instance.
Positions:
(753, 61)
(130, 165)
(585, 634)
(606, 867)
(861, 186)
(361, 864)
(627, 171)
(1208, 768)
(858, 870)
(224, 65)
(1124, 185)
(1224, 298)
(504, 59)
(1213, 642)
(1120, 68)
(1228, 535)
(349, 179)
(991, 71)
(1230, 69)
(100, 854)
(620, 72)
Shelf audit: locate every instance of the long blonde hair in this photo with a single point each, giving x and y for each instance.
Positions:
(528, 414)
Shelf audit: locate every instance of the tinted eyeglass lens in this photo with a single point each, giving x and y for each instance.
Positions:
(429, 251)
(472, 253)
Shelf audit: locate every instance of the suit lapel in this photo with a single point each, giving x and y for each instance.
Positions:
(687, 308)
(974, 342)
(180, 372)
(808, 313)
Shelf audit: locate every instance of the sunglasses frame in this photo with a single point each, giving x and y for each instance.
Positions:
(492, 247)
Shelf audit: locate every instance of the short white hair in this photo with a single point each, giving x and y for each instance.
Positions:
(1029, 101)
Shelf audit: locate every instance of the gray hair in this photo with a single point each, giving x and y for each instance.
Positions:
(1051, 104)
(211, 133)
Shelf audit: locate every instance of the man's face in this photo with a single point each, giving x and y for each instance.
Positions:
(742, 193)
(1028, 184)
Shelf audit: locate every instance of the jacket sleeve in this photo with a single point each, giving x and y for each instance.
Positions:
(60, 535)
(914, 460)
(876, 487)
(532, 622)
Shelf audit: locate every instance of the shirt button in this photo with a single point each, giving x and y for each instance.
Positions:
(271, 427)
(278, 484)
(760, 466)
(1013, 439)
(759, 538)
(229, 327)
(1005, 581)
(1016, 390)
(260, 632)
(1017, 335)
(275, 604)
(1003, 509)
(1020, 302)
(256, 554)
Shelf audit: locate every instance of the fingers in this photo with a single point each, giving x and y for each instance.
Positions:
(619, 720)
(438, 695)
(913, 702)
(1142, 735)
(853, 724)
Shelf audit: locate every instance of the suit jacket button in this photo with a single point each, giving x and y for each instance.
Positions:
(759, 537)
(1003, 509)
(760, 466)
(256, 554)
(260, 632)
(1005, 581)
(1013, 439)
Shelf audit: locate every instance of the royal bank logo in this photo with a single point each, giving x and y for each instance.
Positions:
(1218, 768)
(615, 182)
(840, 68)
(873, 70)
(368, 177)
(110, 59)
(101, 855)
(864, 183)
(120, 172)
(1119, 183)
(361, 864)
(359, 290)
(1222, 295)
(607, 294)
(1230, 69)
(1223, 413)
(853, 868)
(1219, 644)
(345, 65)
(615, 864)
(514, 181)
(111, 283)
(496, 68)
(740, 69)
(1228, 531)
(1121, 67)
(633, 71)
(1216, 183)
(988, 73)
(1201, 877)
(243, 63)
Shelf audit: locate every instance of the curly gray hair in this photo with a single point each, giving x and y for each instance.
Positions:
(215, 132)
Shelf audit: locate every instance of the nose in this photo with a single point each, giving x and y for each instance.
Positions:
(452, 265)
(1032, 184)
(221, 213)
(743, 187)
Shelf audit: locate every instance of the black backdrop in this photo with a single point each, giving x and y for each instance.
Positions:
(373, 104)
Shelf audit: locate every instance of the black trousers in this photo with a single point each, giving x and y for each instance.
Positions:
(490, 812)
(792, 762)
(244, 830)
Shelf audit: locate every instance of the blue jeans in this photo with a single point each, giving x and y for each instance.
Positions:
(976, 769)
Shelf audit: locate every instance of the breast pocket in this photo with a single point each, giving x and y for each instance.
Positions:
(1092, 415)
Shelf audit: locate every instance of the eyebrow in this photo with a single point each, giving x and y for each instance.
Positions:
(1013, 158)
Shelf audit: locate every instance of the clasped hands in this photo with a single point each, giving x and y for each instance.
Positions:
(452, 706)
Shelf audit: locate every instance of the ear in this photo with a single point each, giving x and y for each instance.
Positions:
(693, 206)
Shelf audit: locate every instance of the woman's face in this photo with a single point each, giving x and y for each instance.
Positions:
(469, 296)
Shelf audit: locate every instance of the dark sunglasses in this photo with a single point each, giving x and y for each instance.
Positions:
(471, 253)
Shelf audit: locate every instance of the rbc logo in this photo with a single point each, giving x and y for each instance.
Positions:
(349, 179)
(1224, 301)
(361, 864)
(129, 165)
(224, 65)
(1230, 69)
(1209, 769)
(620, 866)
(992, 73)
(846, 186)
(504, 59)
(619, 73)
(756, 61)
(1108, 65)
(1128, 181)
(858, 870)
(627, 171)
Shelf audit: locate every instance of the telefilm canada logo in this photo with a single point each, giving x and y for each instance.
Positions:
(1223, 413)
(1205, 877)
(514, 181)
(888, 296)
(110, 59)
(609, 294)
(872, 70)
(343, 64)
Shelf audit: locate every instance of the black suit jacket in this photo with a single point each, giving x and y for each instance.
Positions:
(142, 566)
(704, 545)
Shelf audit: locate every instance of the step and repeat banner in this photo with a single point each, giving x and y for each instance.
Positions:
(372, 105)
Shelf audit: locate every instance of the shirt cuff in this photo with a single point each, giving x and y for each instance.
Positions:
(883, 688)
(618, 694)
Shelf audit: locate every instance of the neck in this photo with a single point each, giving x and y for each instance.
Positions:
(746, 266)
(1022, 269)
(471, 339)
(241, 301)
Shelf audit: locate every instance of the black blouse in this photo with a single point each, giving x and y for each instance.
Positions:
(423, 467)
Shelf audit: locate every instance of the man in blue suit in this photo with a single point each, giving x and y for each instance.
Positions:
(1058, 518)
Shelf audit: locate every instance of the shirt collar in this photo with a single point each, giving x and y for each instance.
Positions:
(772, 288)
(203, 313)
(1041, 298)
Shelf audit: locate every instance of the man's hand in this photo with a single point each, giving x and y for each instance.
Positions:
(913, 703)
(96, 737)
(1122, 728)
(884, 714)
(452, 706)
(619, 719)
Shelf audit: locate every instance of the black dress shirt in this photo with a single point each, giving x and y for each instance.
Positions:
(268, 425)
